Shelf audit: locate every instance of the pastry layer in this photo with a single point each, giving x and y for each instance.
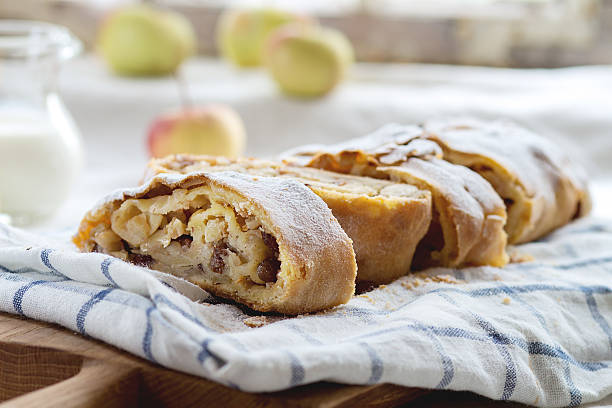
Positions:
(266, 242)
(468, 216)
(385, 220)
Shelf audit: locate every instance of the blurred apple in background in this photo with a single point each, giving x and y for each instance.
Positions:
(307, 61)
(142, 41)
(241, 34)
(214, 130)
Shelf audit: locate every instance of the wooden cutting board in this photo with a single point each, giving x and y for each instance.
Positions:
(44, 365)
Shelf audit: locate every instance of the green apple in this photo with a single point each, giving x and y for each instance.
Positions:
(307, 61)
(142, 41)
(213, 130)
(241, 34)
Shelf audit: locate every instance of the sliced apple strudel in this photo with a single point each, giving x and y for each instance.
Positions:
(270, 243)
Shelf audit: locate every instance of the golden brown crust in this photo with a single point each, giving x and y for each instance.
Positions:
(317, 260)
(543, 188)
(385, 237)
(385, 220)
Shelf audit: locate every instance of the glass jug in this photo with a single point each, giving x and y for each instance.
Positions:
(40, 146)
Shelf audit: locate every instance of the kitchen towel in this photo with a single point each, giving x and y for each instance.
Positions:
(537, 331)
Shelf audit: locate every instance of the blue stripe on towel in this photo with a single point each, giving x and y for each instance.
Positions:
(20, 270)
(447, 362)
(18, 298)
(376, 364)
(297, 370)
(104, 267)
(159, 298)
(597, 316)
(44, 257)
(575, 394)
(148, 336)
(82, 314)
(204, 353)
(500, 341)
(305, 335)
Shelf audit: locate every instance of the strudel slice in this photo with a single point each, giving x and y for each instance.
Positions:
(385, 220)
(468, 216)
(270, 243)
(542, 188)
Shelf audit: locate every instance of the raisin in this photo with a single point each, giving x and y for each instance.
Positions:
(141, 260)
(217, 264)
(158, 190)
(268, 269)
(189, 212)
(270, 242)
(241, 222)
(185, 241)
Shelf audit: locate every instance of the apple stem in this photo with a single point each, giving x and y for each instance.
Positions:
(183, 91)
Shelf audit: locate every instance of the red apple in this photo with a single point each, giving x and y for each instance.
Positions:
(214, 130)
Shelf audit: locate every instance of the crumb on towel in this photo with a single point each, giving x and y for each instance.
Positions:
(256, 321)
(516, 256)
(417, 279)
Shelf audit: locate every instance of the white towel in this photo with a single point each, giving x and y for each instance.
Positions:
(537, 332)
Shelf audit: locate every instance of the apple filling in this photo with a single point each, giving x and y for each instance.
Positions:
(191, 234)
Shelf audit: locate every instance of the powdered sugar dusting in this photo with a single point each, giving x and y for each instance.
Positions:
(303, 219)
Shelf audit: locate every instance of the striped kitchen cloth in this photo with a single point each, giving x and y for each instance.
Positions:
(537, 331)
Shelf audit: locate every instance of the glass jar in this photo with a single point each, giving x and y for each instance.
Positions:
(40, 146)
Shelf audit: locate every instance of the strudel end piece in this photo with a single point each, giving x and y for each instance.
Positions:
(270, 243)
(385, 220)
(542, 188)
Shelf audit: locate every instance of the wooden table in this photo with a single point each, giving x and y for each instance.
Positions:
(45, 365)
